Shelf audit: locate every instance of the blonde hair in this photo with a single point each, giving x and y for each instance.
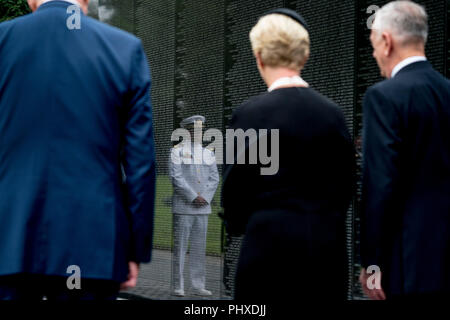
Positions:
(281, 41)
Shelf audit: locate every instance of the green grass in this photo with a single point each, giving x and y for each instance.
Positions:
(163, 219)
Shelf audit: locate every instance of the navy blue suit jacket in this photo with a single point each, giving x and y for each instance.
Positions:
(74, 109)
(406, 181)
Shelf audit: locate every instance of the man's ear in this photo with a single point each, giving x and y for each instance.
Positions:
(388, 43)
(84, 5)
(32, 4)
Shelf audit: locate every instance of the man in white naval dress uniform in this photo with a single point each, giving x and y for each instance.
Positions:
(194, 175)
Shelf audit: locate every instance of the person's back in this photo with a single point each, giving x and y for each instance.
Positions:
(426, 165)
(406, 173)
(420, 97)
(292, 216)
(301, 209)
(315, 154)
(74, 107)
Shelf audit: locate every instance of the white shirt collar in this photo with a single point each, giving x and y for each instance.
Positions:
(71, 1)
(284, 81)
(405, 63)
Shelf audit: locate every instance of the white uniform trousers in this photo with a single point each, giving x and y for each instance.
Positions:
(189, 227)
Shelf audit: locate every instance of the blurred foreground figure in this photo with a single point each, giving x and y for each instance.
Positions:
(74, 110)
(194, 185)
(293, 220)
(406, 178)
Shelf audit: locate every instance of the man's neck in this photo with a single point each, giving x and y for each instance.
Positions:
(82, 4)
(71, 1)
(403, 56)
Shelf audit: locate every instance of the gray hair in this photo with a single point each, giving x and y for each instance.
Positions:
(406, 20)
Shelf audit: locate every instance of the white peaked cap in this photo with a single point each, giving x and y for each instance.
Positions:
(192, 120)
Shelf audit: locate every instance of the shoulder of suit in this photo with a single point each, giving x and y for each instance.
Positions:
(9, 23)
(380, 87)
(320, 99)
(250, 102)
(176, 149)
(391, 88)
(387, 96)
(242, 114)
(265, 98)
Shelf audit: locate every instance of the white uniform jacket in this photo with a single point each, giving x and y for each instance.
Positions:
(192, 177)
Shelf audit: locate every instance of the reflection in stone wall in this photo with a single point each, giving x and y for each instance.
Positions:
(201, 63)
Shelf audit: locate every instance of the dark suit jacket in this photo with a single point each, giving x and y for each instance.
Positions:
(74, 108)
(406, 181)
(300, 211)
(316, 158)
